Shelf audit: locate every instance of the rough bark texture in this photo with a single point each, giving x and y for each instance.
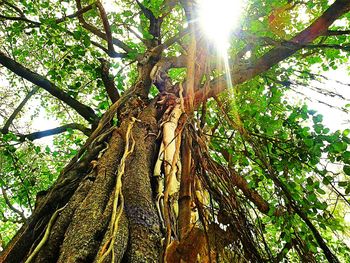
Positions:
(88, 224)
(143, 219)
(82, 228)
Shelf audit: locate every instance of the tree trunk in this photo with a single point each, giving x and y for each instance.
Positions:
(82, 230)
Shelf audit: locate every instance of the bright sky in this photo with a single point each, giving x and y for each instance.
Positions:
(219, 18)
(335, 119)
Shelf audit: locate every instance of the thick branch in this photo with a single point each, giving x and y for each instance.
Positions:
(243, 73)
(108, 81)
(9, 121)
(106, 26)
(37, 135)
(293, 45)
(85, 111)
(159, 73)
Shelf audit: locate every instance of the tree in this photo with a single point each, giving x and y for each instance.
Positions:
(178, 163)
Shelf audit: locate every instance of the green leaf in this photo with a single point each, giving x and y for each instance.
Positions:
(77, 35)
(339, 146)
(342, 183)
(37, 149)
(317, 118)
(346, 169)
(347, 190)
(327, 180)
(346, 157)
(346, 132)
(321, 191)
(103, 105)
(312, 197)
(309, 142)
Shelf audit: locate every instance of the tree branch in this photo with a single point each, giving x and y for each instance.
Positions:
(188, 8)
(293, 45)
(284, 251)
(14, 209)
(24, 19)
(242, 73)
(78, 13)
(275, 178)
(99, 33)
(108, 81)
(344, 47)
(18, 10)
(85, 111)
(35, 23)
(237, 180)
(38, 135)
(110, 51)
(112, 54)
(176, 38)
(106, 26)
(154, 23)
(336, 32)
(9, 121)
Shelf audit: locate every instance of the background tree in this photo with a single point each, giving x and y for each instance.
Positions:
(163, 153)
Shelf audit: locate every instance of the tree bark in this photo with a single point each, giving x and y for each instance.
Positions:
(82, 229)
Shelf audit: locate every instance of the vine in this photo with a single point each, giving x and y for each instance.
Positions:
(46, 235)
(118, 203)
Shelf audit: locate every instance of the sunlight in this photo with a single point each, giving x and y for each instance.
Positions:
(219, 18)
(109, 5)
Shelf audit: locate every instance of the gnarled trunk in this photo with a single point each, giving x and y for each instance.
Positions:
(82, 232)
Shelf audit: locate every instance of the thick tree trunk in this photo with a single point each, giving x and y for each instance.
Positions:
(82, 230)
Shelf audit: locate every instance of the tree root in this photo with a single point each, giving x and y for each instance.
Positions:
(46, 235)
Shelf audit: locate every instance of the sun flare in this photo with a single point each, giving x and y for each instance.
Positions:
(218, 18)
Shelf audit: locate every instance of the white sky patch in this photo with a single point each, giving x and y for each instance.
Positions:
(337, 81)
(42, 122)
(110, 5)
